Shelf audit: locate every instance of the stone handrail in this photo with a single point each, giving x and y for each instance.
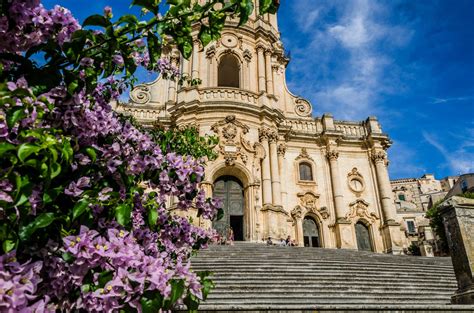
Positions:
(303, 126)
(351, 129)
(140, 113)
(227, 94)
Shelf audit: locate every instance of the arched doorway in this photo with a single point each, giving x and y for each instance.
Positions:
(311, 233)
(363, 237)
(230, 190)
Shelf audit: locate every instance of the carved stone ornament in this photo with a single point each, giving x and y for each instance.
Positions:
(360, 209)
(304, 155)
(211, 52)
(310, 201)
(266, 133)
(232, 143)
(303, 107)
(281, 150)
(356, 182)
(332, 154)
(141, 94)
(229, 40)
(379, 156)
(247, 55)
(297, 212)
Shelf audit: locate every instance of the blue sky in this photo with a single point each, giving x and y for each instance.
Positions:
(410, 63)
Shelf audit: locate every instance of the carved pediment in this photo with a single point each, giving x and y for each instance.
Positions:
(360, 209)
(310, 202)
(232, 142)
(304, 155)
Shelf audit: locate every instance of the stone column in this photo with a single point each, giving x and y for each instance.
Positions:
(391, 228)
(344, 234)
(458, 220)
(275, 171)
(268, 71)
(261, 69)
(266, 178)
(385, 190)
(195, 71)
(281, 165)
(332, 156)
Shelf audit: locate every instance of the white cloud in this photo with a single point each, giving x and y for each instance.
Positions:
(453, 99)
(460, 160)
(350, 41)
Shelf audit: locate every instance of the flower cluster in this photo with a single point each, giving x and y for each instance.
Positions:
(30, 24)
(18, 284)
(84, 192)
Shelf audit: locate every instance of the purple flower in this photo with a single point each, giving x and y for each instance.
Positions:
(75, 189)
(86, 62)
(118, 59)
(108, 12)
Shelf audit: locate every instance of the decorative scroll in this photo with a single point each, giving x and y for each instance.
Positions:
(303, 107)
(141, 94)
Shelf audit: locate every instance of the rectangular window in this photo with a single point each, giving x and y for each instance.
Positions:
(411, 227)
(401, 197)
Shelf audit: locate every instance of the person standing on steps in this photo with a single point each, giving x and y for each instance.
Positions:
(230, 236)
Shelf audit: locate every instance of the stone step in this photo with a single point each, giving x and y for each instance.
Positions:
(345, 275)
(361, 292)
(260, 277)
(318, 268)
(310, 284)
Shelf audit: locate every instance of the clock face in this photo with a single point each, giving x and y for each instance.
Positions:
(356, 185)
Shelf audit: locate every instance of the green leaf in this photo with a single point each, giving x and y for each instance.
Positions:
(26, 149)
(269, 6)
(105, 277)
(55, 170)
(151, 301)
(246, 8)
(152, 217)
(123, 213)
(129, 18)
(150, 5)
(80, 207)
(67, 257)
(15, 115)
(220, 214)
(8, 245)
(205, 35)
(91, 152)
(177, 290)
(5, 146)
(191, 302)
(67, 150)
(96, 20)
(41, 221)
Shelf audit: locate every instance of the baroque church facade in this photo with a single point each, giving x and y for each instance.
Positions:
(281, 171)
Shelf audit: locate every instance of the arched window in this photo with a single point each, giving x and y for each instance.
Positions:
(306, 172)
(229, 72)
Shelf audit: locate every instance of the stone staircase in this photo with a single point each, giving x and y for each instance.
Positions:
(257, 277)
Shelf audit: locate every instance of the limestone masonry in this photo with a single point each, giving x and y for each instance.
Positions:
(281, 171)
